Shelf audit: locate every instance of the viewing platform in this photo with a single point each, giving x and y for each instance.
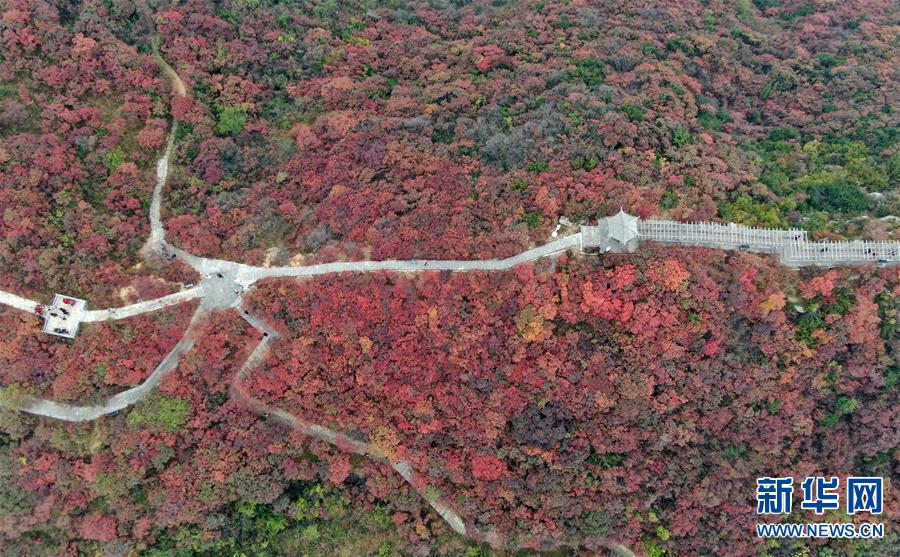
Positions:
(63, 316)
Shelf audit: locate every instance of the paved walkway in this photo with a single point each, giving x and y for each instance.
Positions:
(157, 231)
(18, 302)
(791, 246)
(317, 431)
(75, 413)
(362, 448)
(143, 307)
(225, 282)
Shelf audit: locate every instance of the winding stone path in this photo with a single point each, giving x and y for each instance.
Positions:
(75, 413)
(349, 444)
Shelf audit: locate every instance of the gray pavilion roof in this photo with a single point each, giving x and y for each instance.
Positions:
(622, 227)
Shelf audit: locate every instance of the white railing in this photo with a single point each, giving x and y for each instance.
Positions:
(791, 245)
(852, 251)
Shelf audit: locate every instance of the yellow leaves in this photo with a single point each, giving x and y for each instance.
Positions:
(821, 337)
(774, 302)
(339, 122)
(337, 190)
(385, 441)
(422, 530)
(806, 351)
(365, 344)
(359, 41)
(604, 402)
(803, 426)
(340, 83)
(430, 319)
(788, 376)
(493, 425)
(97, 438)
(530, 324)
(13, 396)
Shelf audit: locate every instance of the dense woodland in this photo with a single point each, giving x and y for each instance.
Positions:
(629, 398)
(420, 130)
(102, 360)
(323, 130)
(638, 398)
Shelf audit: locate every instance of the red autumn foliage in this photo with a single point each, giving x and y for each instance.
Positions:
(621, 398)
(487, 467)
(97, 527)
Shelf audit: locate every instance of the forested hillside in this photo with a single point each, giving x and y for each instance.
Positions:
(466, 129)
(567, 406)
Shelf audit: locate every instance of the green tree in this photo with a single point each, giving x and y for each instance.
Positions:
(681, 137)
(633, 112)
(589, 71)
(232, 120)
(159, 412)
(837, 196)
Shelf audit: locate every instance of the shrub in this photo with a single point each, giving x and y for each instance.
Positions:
(113, 159)
(828, 60)
(681, 137)
(807, 324)
(669, 200)
(624, 63)
(683, 44)
(442, 137)
(580, 163)
(589, 71)
(775, 84)
(713, 121)
(183, 130)
(846, 405)
(595, 523)
(532, 219)
(837, 196)
(607, 460)
(763, 4)
(232, 120)
(784, 134)
(892, 377)
(160, 412)
(537, 167)
(633, 112)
